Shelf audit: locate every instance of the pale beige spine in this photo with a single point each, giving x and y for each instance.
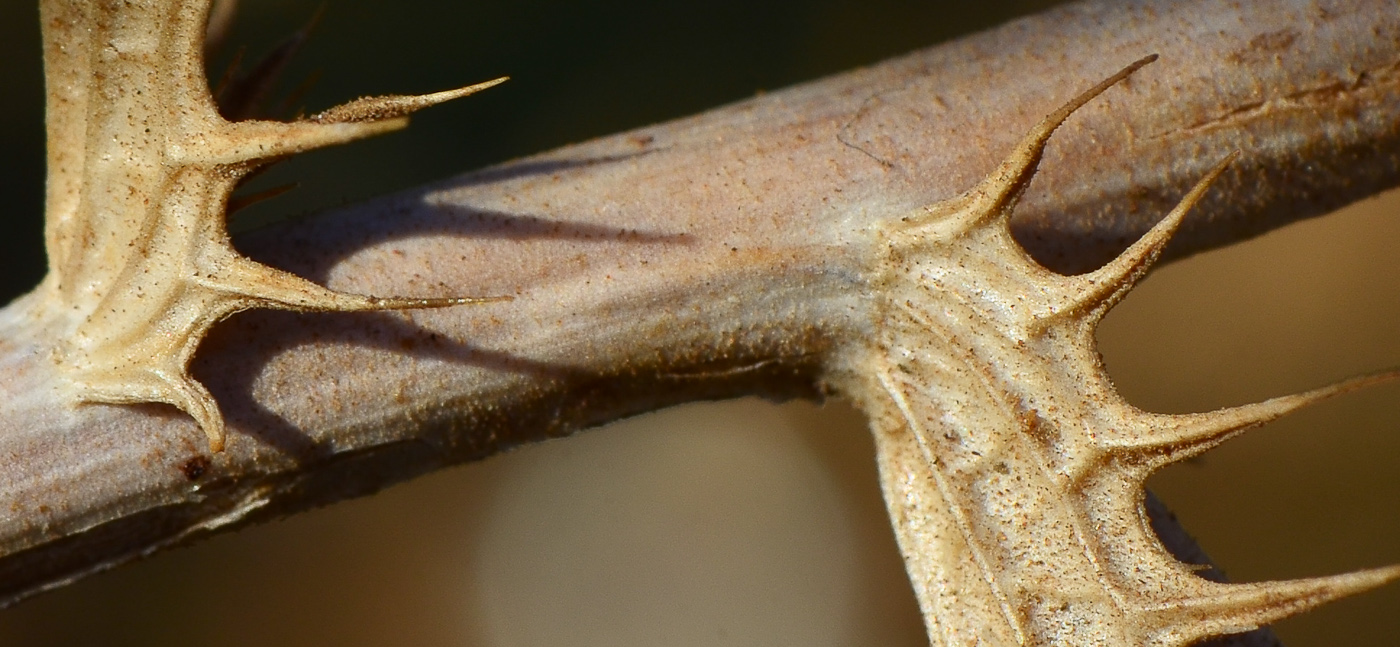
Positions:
(141, 167)
(1012, 469)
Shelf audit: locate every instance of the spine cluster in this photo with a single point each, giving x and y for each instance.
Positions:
(1012, 469)
(141, 168)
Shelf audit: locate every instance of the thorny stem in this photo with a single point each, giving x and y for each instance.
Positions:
(716, 256)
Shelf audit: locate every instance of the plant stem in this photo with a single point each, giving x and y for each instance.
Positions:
(716, 256)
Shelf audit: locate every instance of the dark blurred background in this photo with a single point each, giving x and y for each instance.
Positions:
(740, 523)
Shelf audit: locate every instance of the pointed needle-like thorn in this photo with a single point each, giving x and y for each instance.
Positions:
(994, 196)
(256, 284)
(258, 142)
(1233, 608)
(409, 303)
(1098, 291)
(394, 106)
(1186, 435)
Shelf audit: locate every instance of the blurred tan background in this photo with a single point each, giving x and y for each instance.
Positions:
(736, 523)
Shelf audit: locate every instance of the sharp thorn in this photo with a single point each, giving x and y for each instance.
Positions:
(1235, 608)
(995, 196)
(409, 303)
(1058, 117)
(252, 283)
(395, 106)
(186, 394)
(249, 143)
(1188, 435)
(1100, 290)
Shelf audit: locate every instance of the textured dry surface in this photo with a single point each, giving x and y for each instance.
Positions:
(737, 333)
(1013, 470)
(141, 168)
(765, 523)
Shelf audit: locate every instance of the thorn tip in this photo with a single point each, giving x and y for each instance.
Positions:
(1098, 291)
(993, 198)
(408, 303)
(385, 107)
(1234, 608)
(1194, 433)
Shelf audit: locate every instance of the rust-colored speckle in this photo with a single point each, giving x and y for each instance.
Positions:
(195, 467)
(1265, 46)
(1274, 41)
